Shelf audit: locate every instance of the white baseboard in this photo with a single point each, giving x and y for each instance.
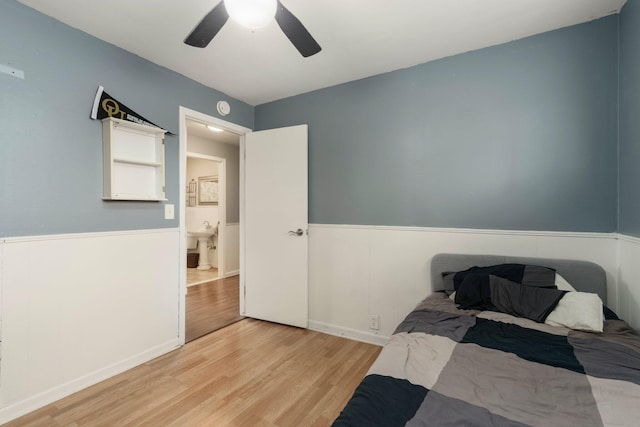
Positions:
(339, 331)
(232, 273)
(49, 396)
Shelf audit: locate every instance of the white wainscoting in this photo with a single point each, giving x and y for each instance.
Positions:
(629, 280)
(232, 249)
(357, 271)
(79, 308)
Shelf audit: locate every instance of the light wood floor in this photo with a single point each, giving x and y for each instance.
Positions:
(211, 306)
(195, 276)
(250, 374)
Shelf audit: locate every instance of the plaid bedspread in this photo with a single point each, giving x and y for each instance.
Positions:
(449, 367)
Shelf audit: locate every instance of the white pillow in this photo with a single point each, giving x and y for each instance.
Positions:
(563, 285)
(578, 310)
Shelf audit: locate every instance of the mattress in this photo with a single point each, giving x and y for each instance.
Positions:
(445, 366)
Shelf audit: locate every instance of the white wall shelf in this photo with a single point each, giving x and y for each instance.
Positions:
(133, 161)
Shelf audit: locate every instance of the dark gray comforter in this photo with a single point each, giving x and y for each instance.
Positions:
(450, 367)
(519, 289)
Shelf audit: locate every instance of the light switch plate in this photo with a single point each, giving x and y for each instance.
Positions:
(169, 212)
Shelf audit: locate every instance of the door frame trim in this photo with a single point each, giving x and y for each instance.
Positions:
(184, 114)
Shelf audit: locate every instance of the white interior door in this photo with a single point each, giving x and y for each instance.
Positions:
(275, 264)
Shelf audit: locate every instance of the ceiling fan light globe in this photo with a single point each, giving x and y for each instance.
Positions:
(251, 13)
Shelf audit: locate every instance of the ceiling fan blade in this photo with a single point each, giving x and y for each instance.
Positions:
(207, 29)
(296, 32)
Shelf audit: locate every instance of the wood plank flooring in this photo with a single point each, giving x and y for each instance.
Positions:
(250, 374)
(211, 306)
(195, 276)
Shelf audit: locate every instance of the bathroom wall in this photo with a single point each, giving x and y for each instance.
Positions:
(197, 213)
(231, 153)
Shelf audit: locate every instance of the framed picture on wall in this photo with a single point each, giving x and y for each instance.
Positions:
(208, 190)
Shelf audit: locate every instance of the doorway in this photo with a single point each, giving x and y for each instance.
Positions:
(271, 298)
(209, 200)
(205, 212)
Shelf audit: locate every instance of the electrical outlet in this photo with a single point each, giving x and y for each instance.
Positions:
(374, 322)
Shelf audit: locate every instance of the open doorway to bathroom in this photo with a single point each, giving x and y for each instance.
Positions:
(205, 183)
(212, 229)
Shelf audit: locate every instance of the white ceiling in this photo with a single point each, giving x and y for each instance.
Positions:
(200, 130)
(359, 38)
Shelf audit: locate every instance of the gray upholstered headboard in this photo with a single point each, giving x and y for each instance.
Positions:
(583, 275)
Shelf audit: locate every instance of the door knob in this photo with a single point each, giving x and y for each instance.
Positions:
(298, 232)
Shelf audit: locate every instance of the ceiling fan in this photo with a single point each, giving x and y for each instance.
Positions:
(253, 14)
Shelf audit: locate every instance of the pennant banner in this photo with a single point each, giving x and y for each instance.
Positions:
(106, 106)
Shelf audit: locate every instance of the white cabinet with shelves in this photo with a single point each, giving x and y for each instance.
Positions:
(133, 161)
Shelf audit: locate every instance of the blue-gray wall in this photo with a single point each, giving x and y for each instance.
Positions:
(629, 203)
(517, 136)
(51, 152)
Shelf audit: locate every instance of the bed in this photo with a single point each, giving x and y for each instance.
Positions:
(448, 366)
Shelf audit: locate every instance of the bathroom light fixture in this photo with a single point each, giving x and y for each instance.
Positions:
(251, 13)
(214, 129)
